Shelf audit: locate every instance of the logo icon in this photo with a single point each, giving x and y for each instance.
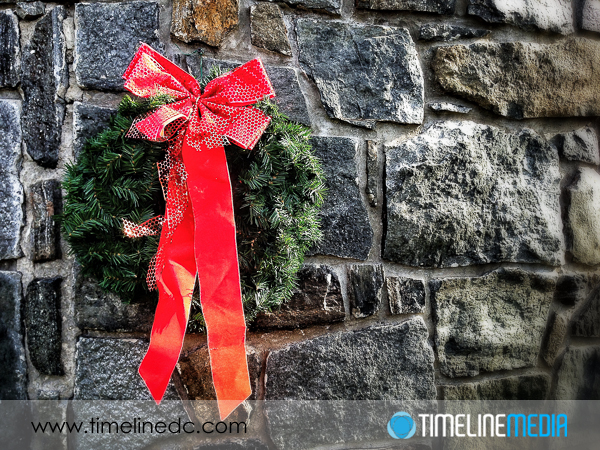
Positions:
(401, 426)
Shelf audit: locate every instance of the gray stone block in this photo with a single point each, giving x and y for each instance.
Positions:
(88, 121)
(347, 232)
(524, 80)
(579, 145)
(268, 29)
(365, 289)
(449, 107)
(364, 73)
(519, 387)
(579, 375)
(433, 6)
(444, 32)
(490, 323)
(372, 172)
(13, 376)
(462, 193)
(317, 301)
(43, 320)
(107, 36)
(46, 199)
(406, 295)
(330, 6)
(384, 362)
(588, 15)
(584, 217)
(552, 15)
(587, 323)
(45, 78)
(556, 334)
(30, 10)
(10, 49)
(11, 191)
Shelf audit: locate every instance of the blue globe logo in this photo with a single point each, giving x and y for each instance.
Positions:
(401, 426)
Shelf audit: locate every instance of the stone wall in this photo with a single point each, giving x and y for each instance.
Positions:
(462, 223)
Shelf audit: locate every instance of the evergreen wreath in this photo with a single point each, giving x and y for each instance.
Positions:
(278, 190)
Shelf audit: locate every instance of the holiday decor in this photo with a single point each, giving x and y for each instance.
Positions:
(280, 192)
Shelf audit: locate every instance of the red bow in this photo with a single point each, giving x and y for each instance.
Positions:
(197, 240)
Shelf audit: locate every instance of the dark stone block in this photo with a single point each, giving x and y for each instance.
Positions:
(579, 375)
(318, 300)
(406, 295)
(587, 323)
(330, 6)
(44, 324)
(107, 36)
(347, 232)
(88, 121)
(45, 78)
(372, 172)
(268, 28)
(235, 444)
(11, 191)
(10, 49)
(46, 199)
(433, 6)
(13, 376)
(365, 289)
(571, 289)
(30, 10)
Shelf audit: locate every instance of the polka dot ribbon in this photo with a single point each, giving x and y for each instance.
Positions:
(198, 228)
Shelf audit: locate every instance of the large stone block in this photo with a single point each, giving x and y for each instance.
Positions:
(107, 36)
(524, 80)
(584, 217)
(88, 121)
(11, 191)
(384, 362)
(10, 49)
(347, 232)
(550, 15)
(462, 193)
(44, 324)
(579, 145)
(268, 29)
(208, 21)
(519, 387)
(365, 289)
(579, 375)
(434, 6)
(46, 199)
(317, 300)
(588, 15)
(44, 81)
(490, 323)
(587, 322)
(330, 6)
(364, 73)
(13, 376)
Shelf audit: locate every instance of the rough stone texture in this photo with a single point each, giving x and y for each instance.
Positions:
(406, 295)
(347, 232)
(318, 300)
(365, 285)
(331, 6)
(101, 53)
(46, 199)
(450, 107)
(461, 193)
(434, 6)
(9, 49)
(11, 191)
(587, 324)
(13, 376)
(556, 334)
(579, 145)
(520, 387)
(588, 16)
(363, 73)
(30, 10)
(584, 217)
(372, 172)
(384, 362)
(207, 21)
(235, 444)
(579, 374)
(571, 288)
(45, 77)
(494, 322)
(268, 28)
(444, 32)
(97, 310)
(289, 97)
(549, 15)
(43, 320)
(524, 80)
(88, 120)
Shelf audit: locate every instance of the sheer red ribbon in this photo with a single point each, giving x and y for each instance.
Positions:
(198, 228)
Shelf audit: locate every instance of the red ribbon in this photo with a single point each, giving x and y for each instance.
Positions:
(198, 229)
